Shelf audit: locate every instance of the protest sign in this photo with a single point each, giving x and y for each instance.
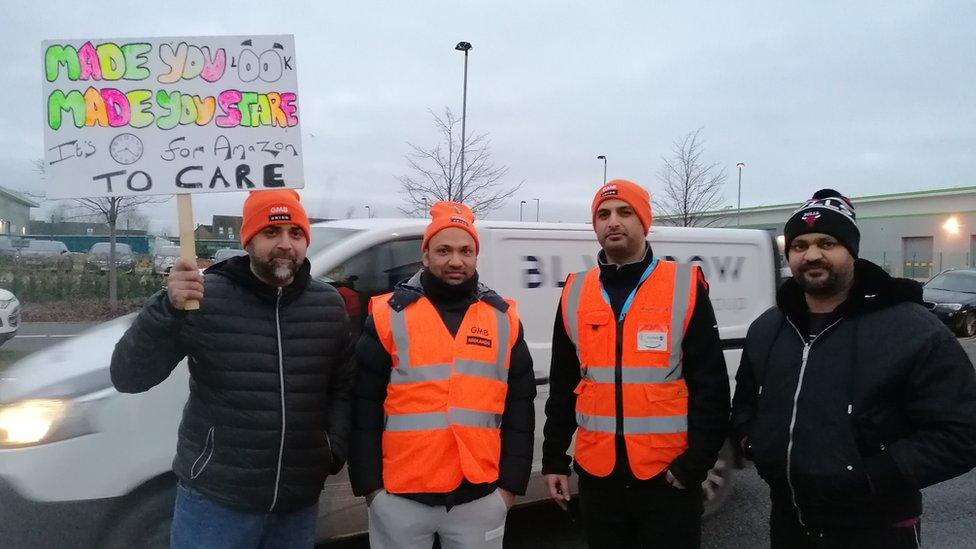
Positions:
(149, 116)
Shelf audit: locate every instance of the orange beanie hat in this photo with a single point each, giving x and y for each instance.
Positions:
(631, 193)
(445, 215)
(281, 207)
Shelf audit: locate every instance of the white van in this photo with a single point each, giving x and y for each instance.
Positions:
(83, 465)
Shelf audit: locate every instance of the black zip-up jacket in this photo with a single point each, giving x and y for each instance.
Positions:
(848, 426)
(373, 377)
(703, 367)
(270, 380)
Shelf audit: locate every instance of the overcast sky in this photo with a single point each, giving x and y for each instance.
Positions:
(868, 98)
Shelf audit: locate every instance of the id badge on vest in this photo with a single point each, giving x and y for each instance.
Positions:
(652, 338)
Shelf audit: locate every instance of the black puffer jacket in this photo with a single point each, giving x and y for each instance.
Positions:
(884, 404)
(270, 379)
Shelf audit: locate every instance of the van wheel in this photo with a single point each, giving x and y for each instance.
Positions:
(718, 483)
(142, 521)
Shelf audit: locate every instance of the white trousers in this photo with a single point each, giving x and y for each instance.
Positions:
(400, 523)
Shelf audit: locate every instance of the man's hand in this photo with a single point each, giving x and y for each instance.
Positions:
(184, 283)
(673, 480)
(372, 495)
(507, 497)
(559, 489)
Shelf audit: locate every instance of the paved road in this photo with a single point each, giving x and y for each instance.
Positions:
(36, 336)
(949, 521)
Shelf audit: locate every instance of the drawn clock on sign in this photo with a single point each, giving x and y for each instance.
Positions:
(125, 148)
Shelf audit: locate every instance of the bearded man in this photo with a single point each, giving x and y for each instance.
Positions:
(851, 397)
(269, 353)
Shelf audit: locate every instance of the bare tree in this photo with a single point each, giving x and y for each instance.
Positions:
(60, 213)
(692, 186)
(436, 172)
(109, 210)
(134, 219)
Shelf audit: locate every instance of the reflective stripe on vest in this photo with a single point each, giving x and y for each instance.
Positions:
(405, 372)
(654, 394)
(634, 425)
(446, 394)
(441, 420)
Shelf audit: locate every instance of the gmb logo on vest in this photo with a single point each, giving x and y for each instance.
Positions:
(479, 338)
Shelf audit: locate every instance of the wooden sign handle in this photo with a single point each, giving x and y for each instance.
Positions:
(188, 243)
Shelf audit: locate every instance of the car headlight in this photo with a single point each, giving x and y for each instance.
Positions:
(41, 421)
(950, 306)
(30, 421)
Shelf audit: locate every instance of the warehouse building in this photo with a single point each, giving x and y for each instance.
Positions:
(914, 234)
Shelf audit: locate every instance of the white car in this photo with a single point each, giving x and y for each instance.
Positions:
(85, 466)
(164, 258)
(9, 315)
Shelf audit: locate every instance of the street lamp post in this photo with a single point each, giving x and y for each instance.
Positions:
(426, 209)
(738, 207)
(522, 203)
(369, 212)
(537, 201)
(465, 47)
(604, 159)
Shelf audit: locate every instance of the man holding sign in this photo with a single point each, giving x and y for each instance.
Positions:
(270, 375)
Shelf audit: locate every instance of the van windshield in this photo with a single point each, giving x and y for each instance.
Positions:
(326, 237)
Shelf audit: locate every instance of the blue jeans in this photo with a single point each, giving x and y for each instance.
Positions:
(199, 522)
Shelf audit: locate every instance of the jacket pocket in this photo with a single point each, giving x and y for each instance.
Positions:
(596, 337)
(204, 458)
(662, 414)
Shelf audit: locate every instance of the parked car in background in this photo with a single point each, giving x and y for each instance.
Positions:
(10, 247)
(45, 254)
(98, 257)
(164, 258)
(951, 295)
(9, 315)
(227, 253)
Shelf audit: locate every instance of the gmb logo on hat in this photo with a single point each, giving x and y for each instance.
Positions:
(279, 213)
(459, 221)
(609, 190)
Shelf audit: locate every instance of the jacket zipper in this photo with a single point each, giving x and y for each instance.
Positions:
(796, 399)
(618, 375)
(281, 386)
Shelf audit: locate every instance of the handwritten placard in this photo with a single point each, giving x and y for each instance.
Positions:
(150, 116)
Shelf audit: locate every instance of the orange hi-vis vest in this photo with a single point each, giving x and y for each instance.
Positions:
(644, 346)
(446, 396)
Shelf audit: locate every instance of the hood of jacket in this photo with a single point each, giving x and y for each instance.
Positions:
(411, 290)
(873, 289)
